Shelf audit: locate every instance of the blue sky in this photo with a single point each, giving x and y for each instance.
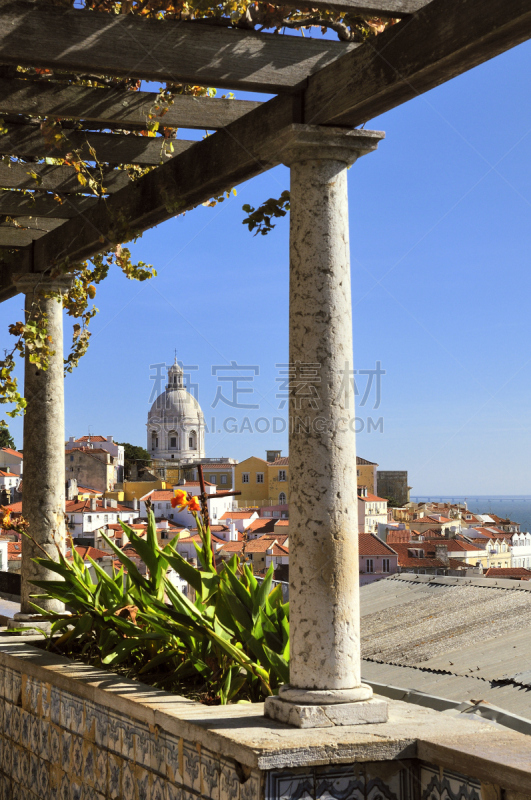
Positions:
(440, 242)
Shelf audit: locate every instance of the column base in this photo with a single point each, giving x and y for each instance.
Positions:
(29, 621)
(363, 712)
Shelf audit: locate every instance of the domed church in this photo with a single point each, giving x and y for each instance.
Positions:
(176, 425)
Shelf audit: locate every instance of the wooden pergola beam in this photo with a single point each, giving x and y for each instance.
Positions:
(16, 204)
(116, 108)
(54, 179)
(371, 8)
(412, 57)
(50, 37)
(28, 140)
(444, 39)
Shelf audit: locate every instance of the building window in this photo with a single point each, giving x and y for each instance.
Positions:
(245, 477)
(173, 442)
(192, 440)
(282, 499)
(358, 473)
(213, 479)
(282, 474)
(259, 477)
(385, 565)
(105, 517)
(89, 518)
(370, 565)
(224, 480)
(71, 458)
(168, 505)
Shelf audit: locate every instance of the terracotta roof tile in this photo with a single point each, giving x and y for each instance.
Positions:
(370, 545)
(11, 452)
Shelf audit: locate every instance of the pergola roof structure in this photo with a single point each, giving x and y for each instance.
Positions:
(317, 82)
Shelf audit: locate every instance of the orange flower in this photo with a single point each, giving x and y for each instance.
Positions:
(194, 504)
(6, 521)
(180, 498)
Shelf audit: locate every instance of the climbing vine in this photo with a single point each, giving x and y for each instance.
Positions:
(31, 336)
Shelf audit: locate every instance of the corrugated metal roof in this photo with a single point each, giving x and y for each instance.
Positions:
(450, 636)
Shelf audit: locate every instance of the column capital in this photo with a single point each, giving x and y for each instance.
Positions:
(33, 282)
(297, 143)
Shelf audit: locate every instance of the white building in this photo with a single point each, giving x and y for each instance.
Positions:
(162, 508)
(9, 482)
(87, 516)
(11, 459)
(521, 550)
(102, 443)
(372, 511)
(241, 519)
(176, 425)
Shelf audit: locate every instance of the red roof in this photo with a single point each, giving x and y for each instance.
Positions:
(283, 461)
(265, 542)
(82, 506)
(520, 573)
(91, 439)
(88, 552)
(15, 508)
(453, 545)
(238, 514)
(370, 545)
(11, 452)
(8, 474)
(284, 522)
(233, 547)
(14, 551)
(371, 498)
(262, 525)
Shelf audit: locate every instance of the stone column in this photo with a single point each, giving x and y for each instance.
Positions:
(325, 686)
(43, 496)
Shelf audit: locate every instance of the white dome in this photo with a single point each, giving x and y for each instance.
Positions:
(176, 403)
(176, 425)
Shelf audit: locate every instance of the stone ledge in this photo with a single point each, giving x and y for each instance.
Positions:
(362, 712)
(242, 733)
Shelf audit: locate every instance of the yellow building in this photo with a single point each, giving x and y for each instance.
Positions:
(278, 475)
(251, 478)
(366, 474)
(266, 482)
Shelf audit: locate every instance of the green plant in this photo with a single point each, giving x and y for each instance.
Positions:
(230, 643)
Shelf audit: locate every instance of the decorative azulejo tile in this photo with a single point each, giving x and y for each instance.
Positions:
(128, 781)
(16, 688)
(64, 792)
(89, 763)
(15, 763)
(77, 715)
(128, 740)
(250, 789)
(44, 738)
(191, 762)
(25, 728)
(76, 790)
(157, 753)
(210, 775)
(15, 722)
(46, 691)
(24, 767)
(33, 770)
(172, 792)
(143, 783)
(100, 771)
(55, 705)
(436, 784)
(158, 790)
(55, 745)
(77, 756)
(35, 730)
(142, 745)
(66, 751)
(115, 776)
(171, 753)
(229, 783)
(44, 779)
(335, 784)
(114, 733)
